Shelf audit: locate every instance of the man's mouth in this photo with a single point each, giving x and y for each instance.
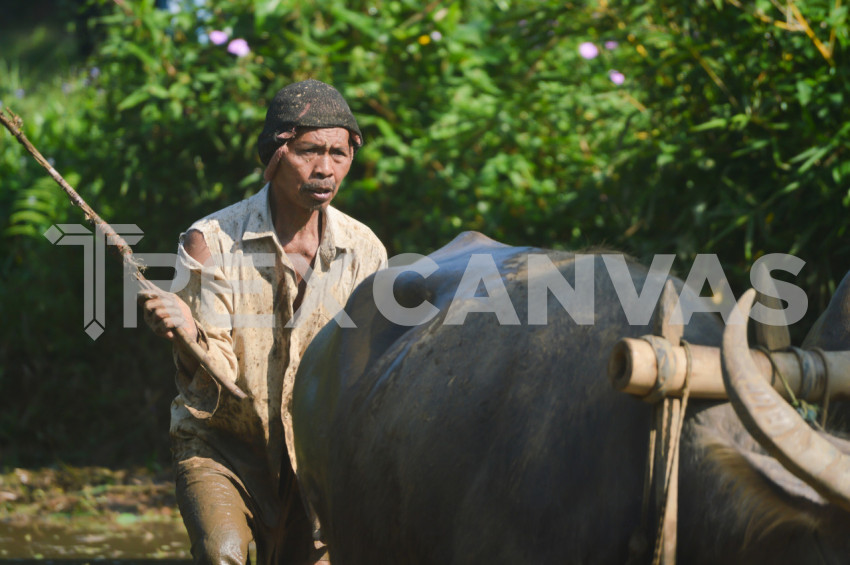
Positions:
(319, 191)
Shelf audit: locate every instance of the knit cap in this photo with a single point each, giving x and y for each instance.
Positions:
(309, 103)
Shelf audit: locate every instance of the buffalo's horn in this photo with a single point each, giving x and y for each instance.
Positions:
(775, 424)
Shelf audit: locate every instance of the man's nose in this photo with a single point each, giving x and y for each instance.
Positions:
(323, 166)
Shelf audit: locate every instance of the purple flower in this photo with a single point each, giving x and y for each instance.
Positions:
(218, 37)
(588, 50)
(616, 77)
(611, 45)
(238, 47)
(436, 35)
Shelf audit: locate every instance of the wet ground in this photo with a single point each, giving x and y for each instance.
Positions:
(80, 515)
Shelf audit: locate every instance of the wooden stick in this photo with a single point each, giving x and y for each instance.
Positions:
(13, 123)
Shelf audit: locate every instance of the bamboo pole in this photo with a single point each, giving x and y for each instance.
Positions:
(13, 123)
(632, 368)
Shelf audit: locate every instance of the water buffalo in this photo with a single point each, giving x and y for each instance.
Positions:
(489, 442)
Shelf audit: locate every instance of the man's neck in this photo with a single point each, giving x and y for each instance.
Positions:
(295, 227)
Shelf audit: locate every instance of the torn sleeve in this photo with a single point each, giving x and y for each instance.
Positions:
(210, 298)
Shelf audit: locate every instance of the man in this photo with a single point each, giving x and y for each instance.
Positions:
(264, 276)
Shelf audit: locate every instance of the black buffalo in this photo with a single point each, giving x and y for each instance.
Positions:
(491, 443)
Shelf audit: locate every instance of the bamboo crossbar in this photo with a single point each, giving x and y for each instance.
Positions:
(812, 375)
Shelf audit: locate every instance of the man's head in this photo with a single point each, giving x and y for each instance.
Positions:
(306, 104)
(309, 168)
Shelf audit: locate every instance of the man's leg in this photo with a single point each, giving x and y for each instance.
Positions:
(215, 513)
(297, 545)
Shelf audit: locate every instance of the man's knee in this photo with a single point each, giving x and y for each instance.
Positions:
(221, 547)
(215, 513)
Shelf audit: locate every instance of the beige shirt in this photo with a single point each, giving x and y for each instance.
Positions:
(242, 302)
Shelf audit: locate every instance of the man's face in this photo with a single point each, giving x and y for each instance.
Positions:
(312, 166)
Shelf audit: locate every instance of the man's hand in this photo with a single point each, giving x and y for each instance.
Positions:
(164, 311)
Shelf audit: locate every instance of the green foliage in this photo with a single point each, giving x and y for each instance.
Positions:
(751, 135)
(699, 127)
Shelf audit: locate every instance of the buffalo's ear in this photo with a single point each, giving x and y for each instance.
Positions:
(831, 332)
(767, 494)
(780, 477)
(744, 464)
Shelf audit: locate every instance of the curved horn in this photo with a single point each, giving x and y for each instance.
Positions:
(775, 424)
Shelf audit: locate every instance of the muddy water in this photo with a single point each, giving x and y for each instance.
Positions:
(127, 543)
(69, 514)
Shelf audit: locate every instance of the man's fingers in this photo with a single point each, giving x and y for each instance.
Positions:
(164, 311)
(148, 293)
(170, 315)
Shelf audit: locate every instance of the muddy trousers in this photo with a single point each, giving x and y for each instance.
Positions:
(221, 520)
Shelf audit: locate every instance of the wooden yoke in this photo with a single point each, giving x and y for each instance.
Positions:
(809, 373)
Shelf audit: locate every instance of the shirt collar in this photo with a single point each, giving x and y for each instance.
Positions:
(259, 225)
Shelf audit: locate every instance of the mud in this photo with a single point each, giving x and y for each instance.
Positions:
(73, 515)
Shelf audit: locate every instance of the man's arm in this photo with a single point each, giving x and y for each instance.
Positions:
(164, 311)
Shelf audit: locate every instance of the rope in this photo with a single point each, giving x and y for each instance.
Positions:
(638, 542)
(666, 363)
(673, 453)
(826, 391)
(806, 410)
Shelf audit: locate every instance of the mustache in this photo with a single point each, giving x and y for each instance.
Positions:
(318, 185)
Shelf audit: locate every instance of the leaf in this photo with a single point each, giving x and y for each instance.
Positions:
(23, 229)
(158, 90)
(740, 121)
(134, 99)
(804, 92)
(811, 156)
(390, 137)
(841, 172)
(262, 10)
(790, 187)
(711, 124)
(29, 216)
(140, 54)
(362, 23)
(665, 159)
(751, 147)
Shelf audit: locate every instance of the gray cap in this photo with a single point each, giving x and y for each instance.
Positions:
(309, 103)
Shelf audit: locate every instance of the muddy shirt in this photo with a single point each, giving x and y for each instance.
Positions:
(242, 302)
